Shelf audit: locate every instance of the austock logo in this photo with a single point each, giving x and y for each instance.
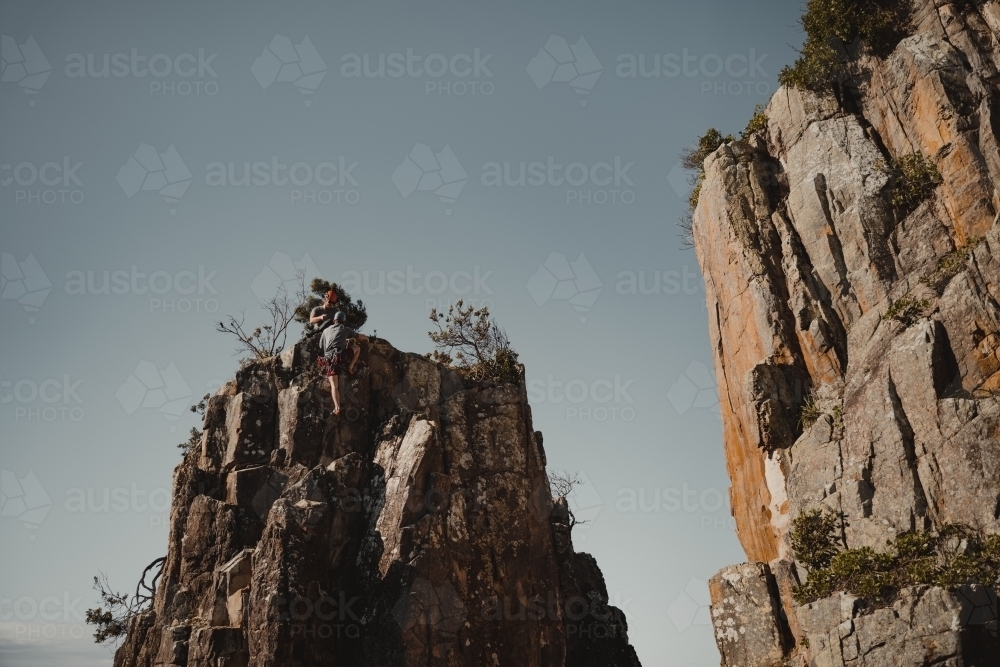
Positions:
(51, 182)
(24, 499)
(423, 170)
(691, 606)
(284, 62)
(328, 182)
(558, 279)
(24, 282)
(470, 72)
(181, 75)
(52, 399)
(23, 64)
(283, 273)
(148, 170)
(603, 399)
(601, 182)
(181, 292)
(559, 62)
(428, 607)
(694, 388)
(164, 390)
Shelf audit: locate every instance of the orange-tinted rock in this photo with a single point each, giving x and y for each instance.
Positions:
(808, 266)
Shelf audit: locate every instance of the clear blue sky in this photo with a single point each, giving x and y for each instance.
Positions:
(407, 173)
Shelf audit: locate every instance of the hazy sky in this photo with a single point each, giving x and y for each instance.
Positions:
(520, 155)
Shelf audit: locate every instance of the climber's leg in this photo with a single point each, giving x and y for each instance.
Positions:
(355, 353)
(335, 391)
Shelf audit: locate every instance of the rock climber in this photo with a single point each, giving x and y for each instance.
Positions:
(321, 316)
(335, 342)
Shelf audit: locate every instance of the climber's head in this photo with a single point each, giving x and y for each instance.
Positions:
(339, 316)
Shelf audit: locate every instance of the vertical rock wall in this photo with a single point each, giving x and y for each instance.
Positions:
(416, 528)
(803, 254)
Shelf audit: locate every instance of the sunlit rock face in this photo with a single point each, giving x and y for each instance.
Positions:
(415, 528)
(806, 261)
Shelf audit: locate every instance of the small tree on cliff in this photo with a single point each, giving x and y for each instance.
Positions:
(693, 160)
(356, 312)
(471, 341)
(114, 615)
(268, 339)
(561, 485)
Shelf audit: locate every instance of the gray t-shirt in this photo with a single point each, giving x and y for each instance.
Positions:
(335, 338)
(320, 310)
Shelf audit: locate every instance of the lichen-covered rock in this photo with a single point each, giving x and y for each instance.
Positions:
(415, 528)
(925, 626)
(856, 342)
(745, 615)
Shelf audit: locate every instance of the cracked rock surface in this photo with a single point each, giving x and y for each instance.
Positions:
(803, 256)
(415, 528)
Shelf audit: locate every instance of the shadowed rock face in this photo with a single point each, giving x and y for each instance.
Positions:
(803, 255)
(415, 528)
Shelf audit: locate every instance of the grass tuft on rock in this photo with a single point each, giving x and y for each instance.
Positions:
(950, 266)
(808, 413)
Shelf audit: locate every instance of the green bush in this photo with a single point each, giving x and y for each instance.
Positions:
(693, 159)
(809, 412)
(949, 266)
(906, 309)
(814, 538)
(355, 312)
(757, 122)
(838, 30)
(953, 556)
(915, 178)
(471, 341)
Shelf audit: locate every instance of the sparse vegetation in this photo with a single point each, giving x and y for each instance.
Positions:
(837, 32)
(194, 438)
(914, 180)
(471, 341)
(809, 412)
(906, 309)
(693, 160)
(356, 312)
(561, 484)
(268, 339)
(756, 124)
(953, 556)
(116, 611)
(193, 441)
(949, 266)
(838, 421)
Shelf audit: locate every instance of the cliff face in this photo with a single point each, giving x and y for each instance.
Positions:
(416, 528)
(803, 255)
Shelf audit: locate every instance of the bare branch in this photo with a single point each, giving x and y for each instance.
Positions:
(117, 610)
(562, 483)
(267, 340)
